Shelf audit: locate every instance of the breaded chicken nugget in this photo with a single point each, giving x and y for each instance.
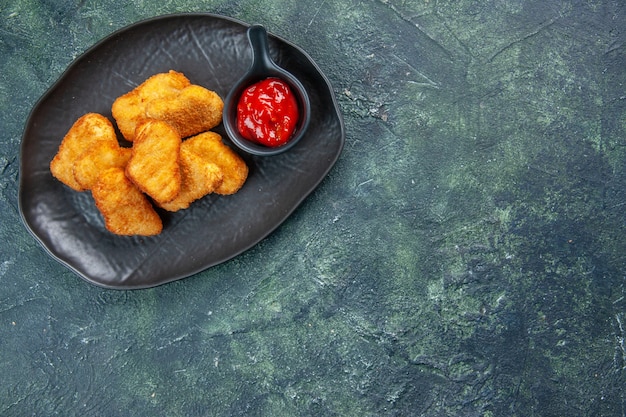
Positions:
(199, 178)
(209, 147)
(87, 130)
(129, 110)
(126, 211)
(154, 162)
(100, 156)
(193, 111)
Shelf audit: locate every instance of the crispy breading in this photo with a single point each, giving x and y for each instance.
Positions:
(193, 111)
(199, 178)
(129, 110)
(100, 156)
(209, 147)
(154, 163)
(87, 130)
(159, 168)
(126, 211)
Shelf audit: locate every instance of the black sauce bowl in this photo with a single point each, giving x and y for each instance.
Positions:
(263, 67)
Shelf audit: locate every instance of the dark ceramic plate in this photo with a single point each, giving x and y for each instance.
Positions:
(211, 51)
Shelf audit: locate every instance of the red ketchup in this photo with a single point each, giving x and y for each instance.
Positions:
(267, 113)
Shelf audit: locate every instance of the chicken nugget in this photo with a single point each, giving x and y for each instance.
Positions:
(100, 156)
(199, 178)
(193, 111)
(209, 147)
(87, 130)
(154, 162)
(129, 110)
(126, 211)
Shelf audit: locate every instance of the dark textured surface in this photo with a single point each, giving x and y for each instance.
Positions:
(465, 257)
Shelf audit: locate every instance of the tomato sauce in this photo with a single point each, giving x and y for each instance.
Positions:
(267, 112)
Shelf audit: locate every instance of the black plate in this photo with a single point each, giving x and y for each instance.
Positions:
(211, 51)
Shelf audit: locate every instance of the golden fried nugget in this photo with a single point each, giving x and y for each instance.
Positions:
(154, 162)
(87, 130)
(100, 156)
(209, 147)
(126, 211)
(199, 178)
(193, 111)
(129, 110)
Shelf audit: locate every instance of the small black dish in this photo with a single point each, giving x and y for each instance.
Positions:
(263, 67)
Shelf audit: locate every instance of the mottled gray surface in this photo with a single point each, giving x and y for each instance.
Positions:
(465, 257)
